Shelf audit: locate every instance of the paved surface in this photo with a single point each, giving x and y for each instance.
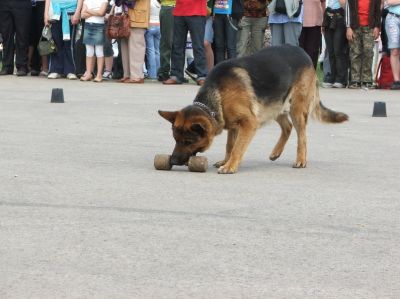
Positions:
(83, 214)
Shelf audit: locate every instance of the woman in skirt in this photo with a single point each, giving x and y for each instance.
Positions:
(93, 12)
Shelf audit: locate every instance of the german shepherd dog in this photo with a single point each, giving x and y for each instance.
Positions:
(239, 95)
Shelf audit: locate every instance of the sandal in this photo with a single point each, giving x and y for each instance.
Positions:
(98, 80)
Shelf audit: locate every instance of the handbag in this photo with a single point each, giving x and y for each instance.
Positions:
(46, 43)
(118, 26)
(223, 7)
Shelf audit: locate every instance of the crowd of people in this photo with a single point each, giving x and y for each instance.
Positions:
(172, 40)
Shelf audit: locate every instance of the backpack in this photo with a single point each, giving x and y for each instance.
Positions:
(384, 75)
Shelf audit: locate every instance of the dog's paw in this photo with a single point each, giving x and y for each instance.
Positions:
(300, 164)
(227, 170)
(274, 156)
(220, 163)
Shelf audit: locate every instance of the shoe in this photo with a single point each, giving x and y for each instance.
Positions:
(5, 72)
(395, 85)
(107, 75)
(368, 85)
(354, 85)
(193, 76)
(122, 80)
(338, 85)
(34, 73)
(53, 76)
(327, 85)
(137, 81)
(201, 82)
(21, 73)
(43, 74)
(98, 80)
(72, 76)
(162, 78)
(171, 81)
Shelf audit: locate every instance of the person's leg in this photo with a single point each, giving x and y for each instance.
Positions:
(7, 31)
(340, 52)
(395, 64)
(312, 42)
(196, 26)
(231, 27)
(150, 53)
(137, 50)
(368, 55)
(291, 32)
(178, 48)
(156, 38)
(108, 57)
(166, 40)
(244, 36)
(329, 41)
(208, 40)
(89, 63)
(258, 34)
(277, 36)
(356, 57)
(69, 61)
(21, 11)
(125, 57)
(219, 38)
(100, 62)
(392, 26)
(56, 58)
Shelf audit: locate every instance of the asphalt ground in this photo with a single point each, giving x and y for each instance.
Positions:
(84, 214)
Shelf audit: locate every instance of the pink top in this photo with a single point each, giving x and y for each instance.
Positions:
(313, 12)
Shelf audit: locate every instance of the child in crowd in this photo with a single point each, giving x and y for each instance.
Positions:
(393, 32)
(363, 22)
(93, 12)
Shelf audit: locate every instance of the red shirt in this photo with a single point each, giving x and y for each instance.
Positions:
(363, 12)
(185, 8)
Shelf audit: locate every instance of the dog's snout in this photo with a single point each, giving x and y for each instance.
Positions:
(175, 160)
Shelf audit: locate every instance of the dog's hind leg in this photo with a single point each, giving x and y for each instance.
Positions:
(286, 129)
(232, 134)
(246, 130)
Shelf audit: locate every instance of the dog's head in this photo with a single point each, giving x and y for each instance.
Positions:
(193, 131)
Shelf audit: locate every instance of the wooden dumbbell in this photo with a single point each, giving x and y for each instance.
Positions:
(195, 164)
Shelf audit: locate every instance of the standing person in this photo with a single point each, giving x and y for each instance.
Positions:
(252, 27)
(15, 21)
(166, 29)
(189, 16)
(152, 37)
(363, 22)
(108, 46)
(133, 48)
(226, 20)
(66, 15)
(93, 12)
(393, 34)
(38, 64)
(286, 26)
(311, 37)
(334, 29)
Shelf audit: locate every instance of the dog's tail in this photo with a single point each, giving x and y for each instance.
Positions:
(324, 114)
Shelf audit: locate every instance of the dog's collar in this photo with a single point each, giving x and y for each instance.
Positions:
(206, 109)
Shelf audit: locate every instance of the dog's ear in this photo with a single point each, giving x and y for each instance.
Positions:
(168, 115)
(199, 129)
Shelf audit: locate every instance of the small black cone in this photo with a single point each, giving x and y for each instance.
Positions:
(379, 109)
(57, 95)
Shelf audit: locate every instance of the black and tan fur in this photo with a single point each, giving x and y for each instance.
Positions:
(240, 95)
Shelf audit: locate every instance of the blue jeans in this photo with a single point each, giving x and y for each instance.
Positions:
(225, 31)
(152, 37)
(196, 26)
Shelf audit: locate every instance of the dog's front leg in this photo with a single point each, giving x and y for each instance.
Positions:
(232, 134)
(245, 132)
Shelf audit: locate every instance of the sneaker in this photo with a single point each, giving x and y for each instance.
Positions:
(43, 74)
(193, 76)
(327, 85)
(338, 85)
(355, 85)
(395, 85)
(21, 73)
(368, 85)
(53, 76)
(72, 76)
(107, 75)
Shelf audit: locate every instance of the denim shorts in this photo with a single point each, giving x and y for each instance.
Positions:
(209, 32)
(93, 34)
(392, 26)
